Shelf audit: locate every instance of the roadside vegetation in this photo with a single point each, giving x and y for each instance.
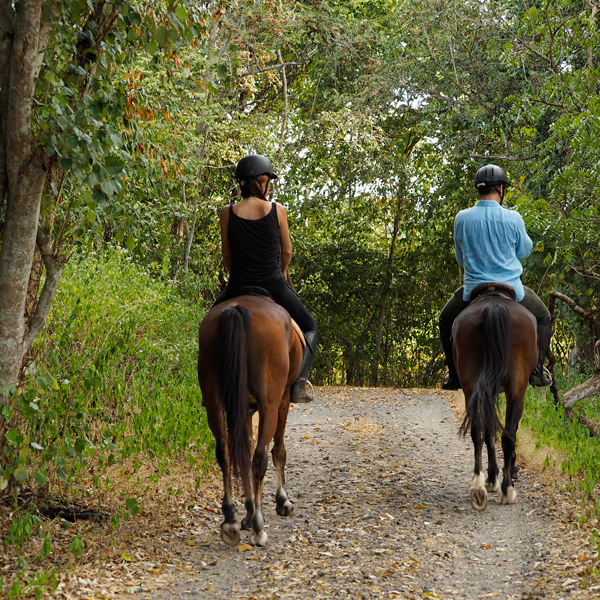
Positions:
(376, 116)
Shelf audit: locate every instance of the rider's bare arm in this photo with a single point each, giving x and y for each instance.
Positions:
(286, 244)
(225, 249)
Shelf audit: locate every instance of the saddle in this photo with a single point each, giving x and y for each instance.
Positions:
(254, 290)
(493, 288)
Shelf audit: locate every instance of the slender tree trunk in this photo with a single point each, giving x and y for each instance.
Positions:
(397, 219)
(191, 230)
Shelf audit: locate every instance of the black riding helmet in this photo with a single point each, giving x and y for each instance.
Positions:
(252, 166)
(490, 177)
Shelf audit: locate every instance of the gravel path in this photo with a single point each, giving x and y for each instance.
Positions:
(381, 482)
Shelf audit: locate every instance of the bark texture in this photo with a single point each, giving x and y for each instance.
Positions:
(25, 174)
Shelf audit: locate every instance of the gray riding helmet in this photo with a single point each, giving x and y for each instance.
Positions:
(252, 166)
(490, 177)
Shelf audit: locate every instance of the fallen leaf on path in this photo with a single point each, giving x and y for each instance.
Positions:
(244, 547)
(126, 557)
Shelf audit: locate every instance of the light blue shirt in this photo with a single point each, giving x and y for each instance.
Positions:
(489, 239)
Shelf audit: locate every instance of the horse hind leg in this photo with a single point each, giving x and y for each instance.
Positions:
(492, 483)
(514, 410)
(478, 491)
(230, 530)
(249, 502)
(284, 507)
(509, 495)
(266, 429)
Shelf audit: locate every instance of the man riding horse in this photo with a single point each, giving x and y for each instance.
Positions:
(489, 240)
(256, 248)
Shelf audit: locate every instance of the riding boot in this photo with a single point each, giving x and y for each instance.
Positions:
(453, 382)
(300, 392)
(537, 378)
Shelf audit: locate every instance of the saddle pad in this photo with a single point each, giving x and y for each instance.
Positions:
(493, 288)
(297, 329)
(254, 290)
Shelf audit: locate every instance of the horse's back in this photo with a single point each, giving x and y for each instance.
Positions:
(270, 337)
(469, 337)
(268, 320)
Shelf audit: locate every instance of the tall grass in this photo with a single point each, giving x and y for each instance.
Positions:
(113, 375)
(581, 450)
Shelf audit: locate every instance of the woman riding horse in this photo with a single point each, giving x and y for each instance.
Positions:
(489, 241)
(256, 248)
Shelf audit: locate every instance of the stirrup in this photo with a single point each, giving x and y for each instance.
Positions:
(543, 380)
(451, 384)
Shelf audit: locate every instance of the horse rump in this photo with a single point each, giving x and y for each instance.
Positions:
(482, 406)
(233, 383)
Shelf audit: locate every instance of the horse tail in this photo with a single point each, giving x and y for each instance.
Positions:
(482, 409)
(233, 383)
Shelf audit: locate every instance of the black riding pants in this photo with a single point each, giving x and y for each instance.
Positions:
(282, 294)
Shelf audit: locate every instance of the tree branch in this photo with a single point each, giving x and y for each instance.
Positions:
(285, 105)
(272, 68)
(584, 314)
(516, 157)
(54, 270)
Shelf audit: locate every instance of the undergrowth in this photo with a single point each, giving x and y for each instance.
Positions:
(581, 450)
(111, 381)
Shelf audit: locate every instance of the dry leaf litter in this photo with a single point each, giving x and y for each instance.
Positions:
(381, 482)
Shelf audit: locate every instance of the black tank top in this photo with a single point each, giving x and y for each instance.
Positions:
(255, 248)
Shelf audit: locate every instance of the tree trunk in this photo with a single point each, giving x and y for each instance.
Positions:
(33, 287)
(16, 258)
(190, 239)
(397, 219)
(25, 175)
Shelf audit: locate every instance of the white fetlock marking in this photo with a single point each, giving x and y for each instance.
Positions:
(261, 540)
(511, 496)
(478, 481)
(493, 487)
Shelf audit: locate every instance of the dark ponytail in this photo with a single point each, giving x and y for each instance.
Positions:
(252, 187)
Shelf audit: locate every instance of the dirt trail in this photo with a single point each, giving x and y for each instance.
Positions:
(381, 483)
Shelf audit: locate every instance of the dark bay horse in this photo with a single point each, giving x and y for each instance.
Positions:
(495, 349)
(249, 357)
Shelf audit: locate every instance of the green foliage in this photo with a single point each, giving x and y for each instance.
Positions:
(114, 376)
(550, 425)
(21, 529)
(76, 546)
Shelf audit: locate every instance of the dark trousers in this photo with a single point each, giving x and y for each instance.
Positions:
(456, 305)
(282, 294)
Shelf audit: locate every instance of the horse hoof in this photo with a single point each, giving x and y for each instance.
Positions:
(230, 533)
(285, 510)
(510, 497)
(479, 498)
(492, 486)
(260, 539)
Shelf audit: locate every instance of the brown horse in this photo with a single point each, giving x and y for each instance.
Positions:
(495, 349)
(249, 357)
